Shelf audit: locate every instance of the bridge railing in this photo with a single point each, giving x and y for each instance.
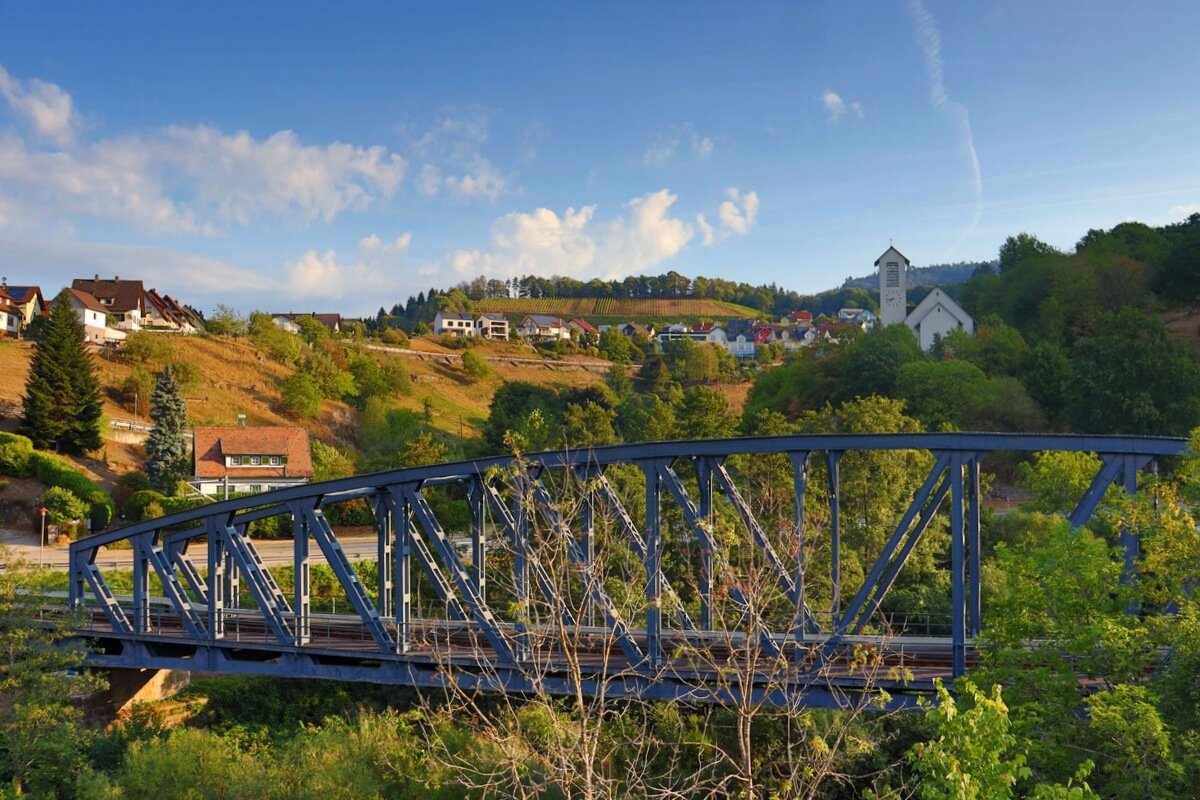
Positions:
(648, 561)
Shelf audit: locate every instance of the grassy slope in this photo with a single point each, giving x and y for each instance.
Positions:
(612, 310)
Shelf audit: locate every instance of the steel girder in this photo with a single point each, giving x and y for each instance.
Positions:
(492, 634)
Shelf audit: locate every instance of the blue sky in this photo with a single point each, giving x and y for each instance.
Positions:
(332, 157)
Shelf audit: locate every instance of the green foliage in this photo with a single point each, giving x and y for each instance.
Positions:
(376, 380)
(302, 395)
(329, 462)
(704, 414)
(589, 424)
(168, 456)
(511, 405)
(266, 335)
(137, 388)
(1021, 248)
(616, 346)
(15, 454)
(394, 337)
(61, 407)
(225, 321)
(332, 381)
(143, 347)
(475, 367)
(1058, 479)
(135, 507)
(54, 471)
(63, 506)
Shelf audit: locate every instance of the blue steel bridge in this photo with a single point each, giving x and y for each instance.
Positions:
(532, 600)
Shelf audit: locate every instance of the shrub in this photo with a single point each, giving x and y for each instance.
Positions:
(394, 337)
(143, 347)
(474, 365)
(63, 505)
(15, 453)
(135, 506)
(301, 395)
(54, 471)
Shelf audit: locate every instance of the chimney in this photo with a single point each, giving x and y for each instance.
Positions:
(241, 420)
(96, 279)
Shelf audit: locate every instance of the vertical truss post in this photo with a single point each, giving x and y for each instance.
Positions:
(141, 585)
(478, 537)
(704, 479)
(401, 525)
(520, 532)
(217, 583)
(973, 545)
(833, 463)
(1131, 542)
(958, 627)
(384, 565)
(301, 594)
(799, 492)
(233, 581)
(653, 567)
(587, 536)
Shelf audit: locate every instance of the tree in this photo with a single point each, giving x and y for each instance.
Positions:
(302, 395)
(62, 405)
(1021, 247)
(224, 321)
(166, 448)
(475, 367)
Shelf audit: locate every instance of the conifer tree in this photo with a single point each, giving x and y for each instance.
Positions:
(62, 407)
(167, 459)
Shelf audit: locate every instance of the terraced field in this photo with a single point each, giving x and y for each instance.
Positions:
(610, 307)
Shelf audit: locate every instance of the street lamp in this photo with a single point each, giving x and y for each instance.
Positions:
(42, 539)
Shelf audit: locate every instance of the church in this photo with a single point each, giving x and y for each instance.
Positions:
(934, 316)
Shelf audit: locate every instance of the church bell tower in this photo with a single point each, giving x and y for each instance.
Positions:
(893, 288)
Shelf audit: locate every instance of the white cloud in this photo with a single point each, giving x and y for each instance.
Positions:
(707, 234)
(834, 105)
(575, 243)
(180, 179)
(739, 213)
(374, 272)
(43, 105)
(669, 143)
(453, 161)
(929, 39)
(1185, 210)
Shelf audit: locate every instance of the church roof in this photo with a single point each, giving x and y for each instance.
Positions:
(892, 250)
(933, 300)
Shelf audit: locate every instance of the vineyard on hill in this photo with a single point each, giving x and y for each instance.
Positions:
(617, 307)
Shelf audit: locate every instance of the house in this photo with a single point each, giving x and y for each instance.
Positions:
(237, 460)
(125, 300)
(936, 316)
(632, 329)
(454, 323)
(742, 347)
(94, 316)
(28, 299)
(801, 318)
(584, 328)
(11, 316)
(862, 317)
(492, 326)
(165, 313)
(288, 321)
(540, 326)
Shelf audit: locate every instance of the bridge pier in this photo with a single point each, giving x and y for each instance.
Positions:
(127, 687)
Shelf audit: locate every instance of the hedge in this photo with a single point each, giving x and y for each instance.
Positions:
(15, 452)
(135, 507)
(54, 471)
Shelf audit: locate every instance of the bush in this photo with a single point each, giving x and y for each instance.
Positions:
(143, 347)
(15, 453)
(394, 337)
(301, 395)
(63, 506)
(475, 366)
(54, 471)
(135, 506)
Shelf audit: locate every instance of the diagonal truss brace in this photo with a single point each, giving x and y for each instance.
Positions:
(638, 544)
(700, 528)
(324, 536)
(441, 586)
(786, 581)
(176, 555)
(905, 538)
(266, 592)
(480, 611)
(112, 609)
(173, 589)
(521, 548)
(592, 584)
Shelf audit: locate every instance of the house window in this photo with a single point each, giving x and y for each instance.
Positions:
(255, 488)
(255, 461)
(274, 461)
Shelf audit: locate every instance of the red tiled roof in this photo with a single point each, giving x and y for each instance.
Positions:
(122, 295)
(211, 445)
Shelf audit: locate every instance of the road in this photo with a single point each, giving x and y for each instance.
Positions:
(24, 546)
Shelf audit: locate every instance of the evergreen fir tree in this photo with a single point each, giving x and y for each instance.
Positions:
(167, 459)
(62, 407)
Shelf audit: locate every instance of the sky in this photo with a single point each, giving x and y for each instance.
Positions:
(341, 157)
